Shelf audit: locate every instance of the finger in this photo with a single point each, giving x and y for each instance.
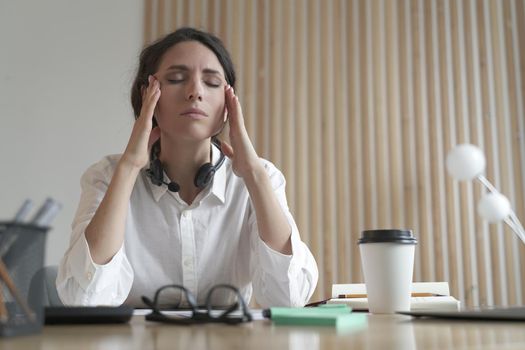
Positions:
(151, 98)
(153, 88)
(230, 102)
(144, 88)
(234, 107)
(226, 149)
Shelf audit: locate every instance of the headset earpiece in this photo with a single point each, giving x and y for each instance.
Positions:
(207, 171)
(155, 171)
(204, 175)
(157, 174)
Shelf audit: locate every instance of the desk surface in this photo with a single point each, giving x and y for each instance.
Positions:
(382, 332)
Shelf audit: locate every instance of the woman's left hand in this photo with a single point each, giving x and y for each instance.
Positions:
(244, 158)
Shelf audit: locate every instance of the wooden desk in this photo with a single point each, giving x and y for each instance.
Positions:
(383, 332)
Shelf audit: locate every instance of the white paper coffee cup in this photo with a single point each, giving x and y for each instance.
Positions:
(387, 259)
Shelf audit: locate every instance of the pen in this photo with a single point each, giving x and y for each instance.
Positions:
(23, 211)
(46, 213)
(317, 303)
(413, 295)
(20, 215)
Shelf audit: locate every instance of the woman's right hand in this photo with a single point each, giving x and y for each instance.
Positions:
(142, 136)
(105, 231)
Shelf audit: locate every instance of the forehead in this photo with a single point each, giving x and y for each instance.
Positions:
(192, 54)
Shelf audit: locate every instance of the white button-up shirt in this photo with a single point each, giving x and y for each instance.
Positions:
(215, 240)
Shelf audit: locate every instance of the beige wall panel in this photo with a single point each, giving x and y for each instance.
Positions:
(358, 103)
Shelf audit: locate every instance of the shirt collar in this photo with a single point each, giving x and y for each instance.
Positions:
(218, 184)
(157, 191)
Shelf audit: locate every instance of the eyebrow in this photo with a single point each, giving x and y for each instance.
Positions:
(186, 68)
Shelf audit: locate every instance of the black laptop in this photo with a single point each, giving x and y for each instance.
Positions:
(87, 314)
(515, 313)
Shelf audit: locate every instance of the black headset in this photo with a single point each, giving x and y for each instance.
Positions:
(202, 178)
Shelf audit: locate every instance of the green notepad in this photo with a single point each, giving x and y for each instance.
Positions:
(339, 316)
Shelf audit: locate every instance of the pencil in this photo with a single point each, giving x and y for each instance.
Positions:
(413, 295)
(4, 315)
(4, 275)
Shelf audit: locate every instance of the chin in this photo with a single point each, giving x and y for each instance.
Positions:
(191, 134)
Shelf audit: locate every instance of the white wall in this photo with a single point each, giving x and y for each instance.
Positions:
(65, 73)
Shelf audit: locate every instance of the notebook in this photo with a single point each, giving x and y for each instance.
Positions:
(87, 314)
(442, 300)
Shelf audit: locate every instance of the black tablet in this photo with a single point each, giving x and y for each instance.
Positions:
(87, 314)
(497, 313)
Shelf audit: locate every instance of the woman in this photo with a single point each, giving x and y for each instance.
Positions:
(133, 234)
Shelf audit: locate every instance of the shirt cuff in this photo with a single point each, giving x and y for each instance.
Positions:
(278, 265)
(89, 275)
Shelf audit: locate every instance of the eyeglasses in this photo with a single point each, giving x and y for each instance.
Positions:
(234, 313)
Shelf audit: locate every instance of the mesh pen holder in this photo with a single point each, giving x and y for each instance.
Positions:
(22, 248)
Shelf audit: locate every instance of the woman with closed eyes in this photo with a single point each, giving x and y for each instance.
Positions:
(180, 207)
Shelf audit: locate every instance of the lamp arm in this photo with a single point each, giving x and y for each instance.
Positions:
(518, 227)
(515, 228)
(485, 182)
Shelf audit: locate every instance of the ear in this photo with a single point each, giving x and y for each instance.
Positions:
(143, 88)
(154, 122)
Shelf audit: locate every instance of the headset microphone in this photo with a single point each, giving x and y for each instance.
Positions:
(173, 187)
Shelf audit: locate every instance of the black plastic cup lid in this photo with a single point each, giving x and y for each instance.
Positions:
(387, 236)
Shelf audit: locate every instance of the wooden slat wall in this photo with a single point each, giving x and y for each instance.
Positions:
(358, 102)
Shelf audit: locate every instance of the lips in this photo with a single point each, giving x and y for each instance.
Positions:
(194, 113)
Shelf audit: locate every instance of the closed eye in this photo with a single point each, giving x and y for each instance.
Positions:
(213, 84)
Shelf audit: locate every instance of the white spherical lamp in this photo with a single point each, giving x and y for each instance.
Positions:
(465, 162)
(494, 207)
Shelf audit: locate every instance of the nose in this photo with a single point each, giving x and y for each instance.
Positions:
(194, 91)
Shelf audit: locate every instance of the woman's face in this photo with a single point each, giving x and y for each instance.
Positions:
(191, 103)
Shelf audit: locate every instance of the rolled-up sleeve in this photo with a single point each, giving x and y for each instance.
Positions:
(80, 281)
(279, 279)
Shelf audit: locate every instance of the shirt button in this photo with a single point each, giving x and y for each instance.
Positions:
(187, 263)
(89, 276)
